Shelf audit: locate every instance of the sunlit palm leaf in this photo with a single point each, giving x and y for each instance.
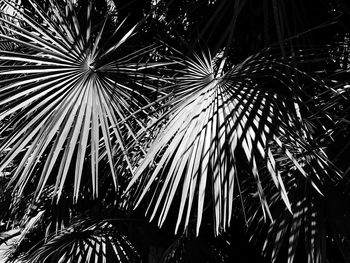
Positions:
(219, 121)
(65, 92)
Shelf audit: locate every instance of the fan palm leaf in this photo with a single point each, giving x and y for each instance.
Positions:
(219, 121)
(65, 92)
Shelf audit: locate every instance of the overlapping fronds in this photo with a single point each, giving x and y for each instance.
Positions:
(305, 234)
(67, 96)
(315, 226)
(220, 122)
(335, 103)
(306, 222)
(85, 241)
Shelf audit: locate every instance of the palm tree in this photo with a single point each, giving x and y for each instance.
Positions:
(92, 127)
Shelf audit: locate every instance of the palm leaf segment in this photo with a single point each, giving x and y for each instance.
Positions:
(63, 93)
(217, 121)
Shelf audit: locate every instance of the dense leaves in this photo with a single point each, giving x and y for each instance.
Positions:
(107, 106)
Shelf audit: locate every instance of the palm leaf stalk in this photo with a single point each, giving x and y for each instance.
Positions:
(220, 120)
(66, 92)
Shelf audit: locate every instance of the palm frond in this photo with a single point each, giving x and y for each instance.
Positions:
(218, 123)
(65, 92)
